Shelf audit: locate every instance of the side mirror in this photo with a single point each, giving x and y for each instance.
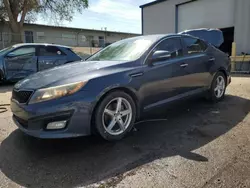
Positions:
(160, 55)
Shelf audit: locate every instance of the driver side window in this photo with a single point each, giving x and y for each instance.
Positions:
(172, 45)
(23, 51)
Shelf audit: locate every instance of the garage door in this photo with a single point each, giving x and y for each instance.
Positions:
(205, 14)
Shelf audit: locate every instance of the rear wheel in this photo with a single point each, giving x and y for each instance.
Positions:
(218, 87)
(115, 116)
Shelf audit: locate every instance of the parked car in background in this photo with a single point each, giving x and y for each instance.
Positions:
(108, 92)
(21, 60)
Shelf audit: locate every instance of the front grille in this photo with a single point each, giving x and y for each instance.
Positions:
(21, 96)
(22, 122)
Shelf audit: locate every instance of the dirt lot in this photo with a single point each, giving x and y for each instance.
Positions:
(195, 144)
(85, 51)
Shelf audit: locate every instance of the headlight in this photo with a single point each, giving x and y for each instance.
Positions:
(55, 92)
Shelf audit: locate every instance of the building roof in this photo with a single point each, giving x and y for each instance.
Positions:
(152, 3)
(80, 29)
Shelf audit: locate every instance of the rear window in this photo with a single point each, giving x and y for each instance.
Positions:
(194, 45)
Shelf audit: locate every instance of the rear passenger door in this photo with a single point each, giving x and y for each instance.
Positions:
(197, 63)
(50, 56)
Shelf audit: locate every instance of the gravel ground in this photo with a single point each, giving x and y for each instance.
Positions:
(193, 144)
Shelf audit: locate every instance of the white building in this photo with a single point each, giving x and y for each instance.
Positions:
(62, 35)
(172, 16)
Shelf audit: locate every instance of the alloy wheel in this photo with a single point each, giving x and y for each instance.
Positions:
(117, 116)
(220, 87)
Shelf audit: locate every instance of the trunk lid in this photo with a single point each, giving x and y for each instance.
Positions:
(212, 36)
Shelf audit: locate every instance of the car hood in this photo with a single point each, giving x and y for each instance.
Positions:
(212, 36)
(72, 72)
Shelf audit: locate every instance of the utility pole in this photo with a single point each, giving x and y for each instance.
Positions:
(105, 35)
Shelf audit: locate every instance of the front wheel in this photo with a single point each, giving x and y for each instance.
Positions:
(115, 116)
(218, 87)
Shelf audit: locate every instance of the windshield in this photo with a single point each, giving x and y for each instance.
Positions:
(5, 50)
(124, 50)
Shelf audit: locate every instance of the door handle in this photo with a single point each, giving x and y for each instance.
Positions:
(136, 74)
(184, 65)
(212, 59)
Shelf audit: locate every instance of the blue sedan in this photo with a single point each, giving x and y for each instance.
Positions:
(21, 60)
(109, 91)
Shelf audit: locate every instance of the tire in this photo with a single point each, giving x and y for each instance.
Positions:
(1, 77)
(215, 94)
(109, 121)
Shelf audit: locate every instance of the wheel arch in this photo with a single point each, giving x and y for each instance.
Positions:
(221, 69)
(126, 90)
(224, 72)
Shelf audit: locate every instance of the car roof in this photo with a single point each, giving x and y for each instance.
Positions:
(208, 35)
(160, 36)
(154, 37)
(39, 44)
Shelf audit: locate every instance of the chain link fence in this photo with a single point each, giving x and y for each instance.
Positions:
(81, 44)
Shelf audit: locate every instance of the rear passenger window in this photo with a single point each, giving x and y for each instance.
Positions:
(173, 45)
(203, 45)
(194, 45)
(49, 51)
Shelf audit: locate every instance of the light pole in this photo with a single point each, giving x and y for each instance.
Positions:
(105, 36)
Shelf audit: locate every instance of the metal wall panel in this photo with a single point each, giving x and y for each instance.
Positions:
(160, 18)
(205, 14)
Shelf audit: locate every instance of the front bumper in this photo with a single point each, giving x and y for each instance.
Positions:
(33, 119)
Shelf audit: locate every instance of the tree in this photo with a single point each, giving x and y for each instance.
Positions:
(16, 12)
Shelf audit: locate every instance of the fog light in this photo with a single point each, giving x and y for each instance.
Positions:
(56, 125)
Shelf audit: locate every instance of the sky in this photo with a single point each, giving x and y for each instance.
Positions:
(115, 15)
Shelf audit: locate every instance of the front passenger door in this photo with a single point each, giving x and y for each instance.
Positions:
(164, 79)
(49, 57)
(20, 63)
